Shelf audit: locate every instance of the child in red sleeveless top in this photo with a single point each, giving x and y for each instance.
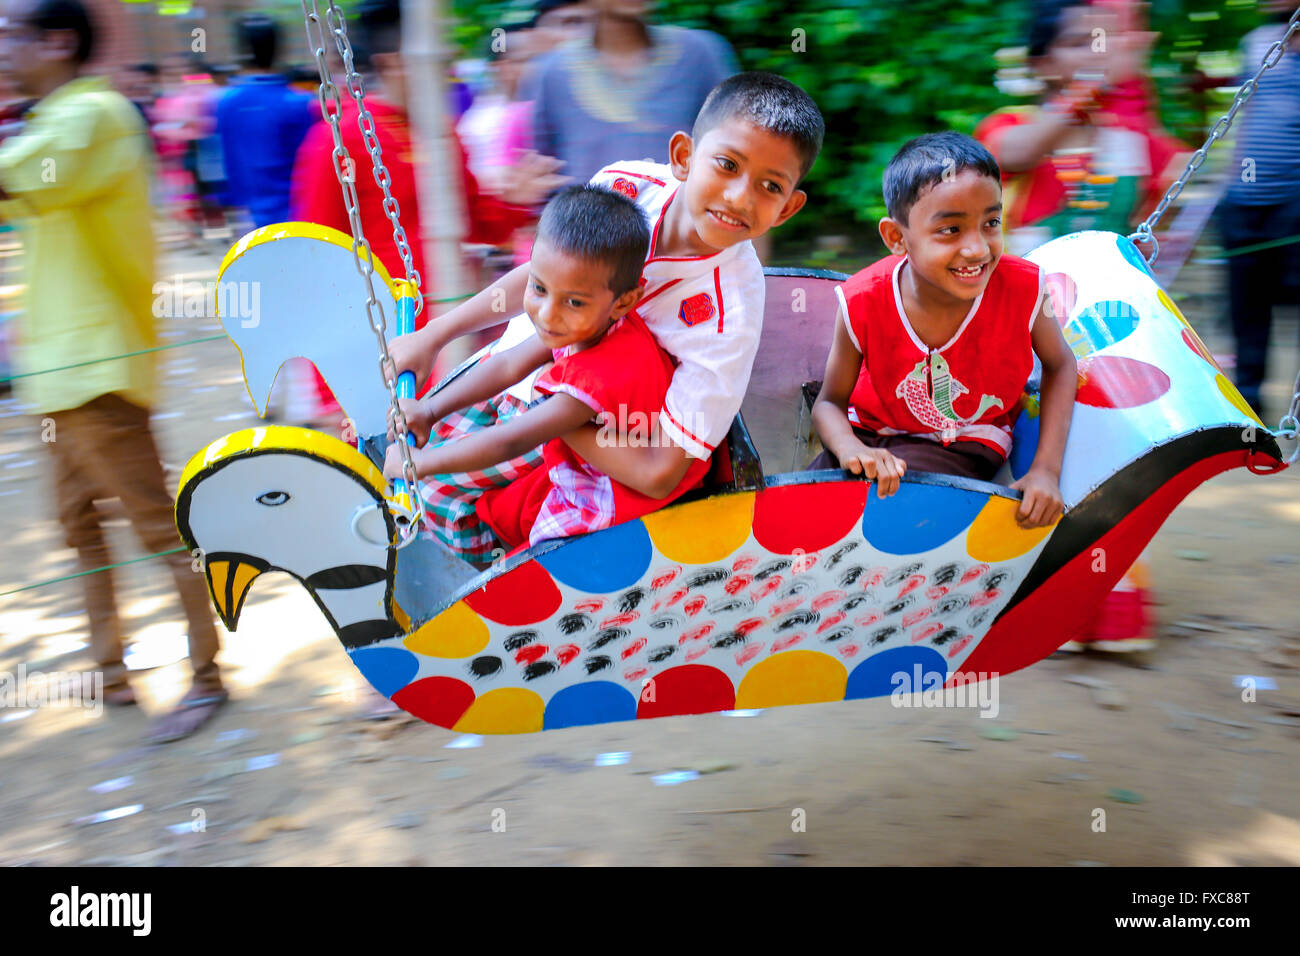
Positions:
(583, 287)
(934, 344)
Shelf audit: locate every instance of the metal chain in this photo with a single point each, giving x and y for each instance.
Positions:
(366, 123)
(1289, 426)
(1145, 231)
(331, 109)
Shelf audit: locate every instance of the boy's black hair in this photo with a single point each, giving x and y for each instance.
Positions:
(770, 102)
(49, 15)
(378, 29)
(599, 226)
(259, 37)
(1045, 23)
(926, 160)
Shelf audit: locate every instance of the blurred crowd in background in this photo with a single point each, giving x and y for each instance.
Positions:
(588, 83)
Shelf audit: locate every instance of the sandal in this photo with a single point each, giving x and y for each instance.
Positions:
(188, 716)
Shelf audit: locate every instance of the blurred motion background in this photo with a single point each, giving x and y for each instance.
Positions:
(517, 87)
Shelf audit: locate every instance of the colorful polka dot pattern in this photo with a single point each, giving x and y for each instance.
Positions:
(802, 592)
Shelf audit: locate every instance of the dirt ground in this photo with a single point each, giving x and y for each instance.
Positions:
(1185, 770)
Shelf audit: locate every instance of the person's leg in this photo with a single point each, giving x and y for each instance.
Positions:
(450, 499)
(75, 489)
(132, 472)
(1253, 286)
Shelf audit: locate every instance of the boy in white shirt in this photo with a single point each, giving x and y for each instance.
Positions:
(731, 180)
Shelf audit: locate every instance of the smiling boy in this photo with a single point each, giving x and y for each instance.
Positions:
(734, 177)
(934, 344)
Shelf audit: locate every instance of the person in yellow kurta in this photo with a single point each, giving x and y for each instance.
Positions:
(76, 180)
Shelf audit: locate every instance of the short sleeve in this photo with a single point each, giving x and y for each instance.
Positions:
(579, 376)
(709, 385)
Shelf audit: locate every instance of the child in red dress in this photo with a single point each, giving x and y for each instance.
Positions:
(582, 290)
(934, 345)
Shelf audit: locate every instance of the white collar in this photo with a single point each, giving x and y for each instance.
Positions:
(907, 324)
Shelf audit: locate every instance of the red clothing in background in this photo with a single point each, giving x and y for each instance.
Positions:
(317, 197)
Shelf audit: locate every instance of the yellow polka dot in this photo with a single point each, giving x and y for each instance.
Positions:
(792, 677)
(456, 632)
(995, 536)
(1168, 303)
(702, 532)
(506, 710)
(1231, 394)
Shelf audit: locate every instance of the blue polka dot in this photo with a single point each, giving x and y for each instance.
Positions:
(602, 562)
(919, 517)
(597, 702)
(1024, 444)
(1105, 323)
(389, 669)
(907, 669)
(1134, 257)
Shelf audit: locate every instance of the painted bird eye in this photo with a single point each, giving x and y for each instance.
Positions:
(273, 498)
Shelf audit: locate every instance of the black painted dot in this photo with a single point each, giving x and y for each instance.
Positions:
(605, 636)
(902, 603)
(730, 606)
(771, 568)
(839, 554)
(951, 604)
(485, 666)
(851, 575)
(902, 574)
(573, 623)
(945, 573)
(598, 663)
(946, 635)
(730, 639)
(883, 634)
(519, 639)
(661, 653)
(796, 619)
(631, 600)
(706, 577)
(856, 601)
(538, 669)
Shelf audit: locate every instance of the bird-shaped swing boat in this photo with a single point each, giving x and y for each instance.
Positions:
(759, 590)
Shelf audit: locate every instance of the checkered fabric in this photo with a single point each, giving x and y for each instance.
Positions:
(580, 500)
(450, 498)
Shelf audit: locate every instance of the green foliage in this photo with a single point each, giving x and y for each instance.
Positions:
(883, 72)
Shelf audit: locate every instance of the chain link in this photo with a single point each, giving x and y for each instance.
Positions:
(1289, 427)
(1145, 231)
(331, 111)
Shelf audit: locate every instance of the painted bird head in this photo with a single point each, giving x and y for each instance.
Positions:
(298, 501)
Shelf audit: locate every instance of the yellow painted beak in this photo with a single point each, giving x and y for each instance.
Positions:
(229, 578)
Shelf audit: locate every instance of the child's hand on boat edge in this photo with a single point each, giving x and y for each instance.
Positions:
(1042, 504)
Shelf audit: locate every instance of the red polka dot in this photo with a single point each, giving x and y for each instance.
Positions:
(688, 689)
(808, 517)
(525, 595)
(438, 700)
(1111, 381)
